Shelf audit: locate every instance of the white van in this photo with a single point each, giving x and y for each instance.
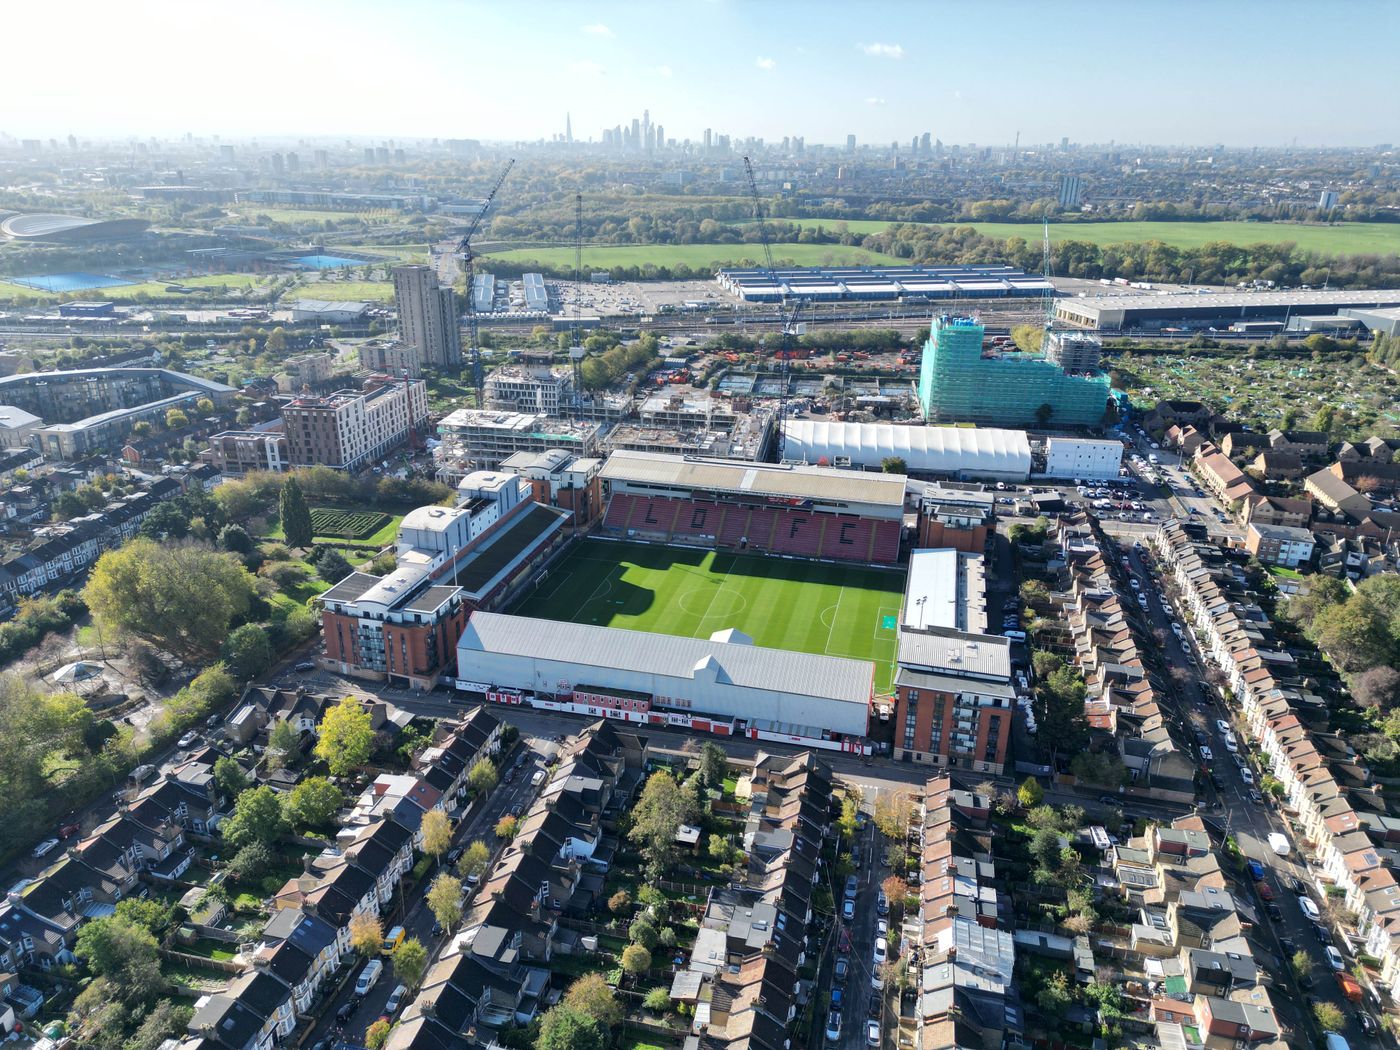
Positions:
(1279, 844)
(369, 976)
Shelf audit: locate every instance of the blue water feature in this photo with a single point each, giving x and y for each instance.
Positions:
(66, 282)
(327, 262)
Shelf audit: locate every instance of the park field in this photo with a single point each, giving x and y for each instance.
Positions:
(1347, 238)
(604, 257)
(343, 291)
(780, 603)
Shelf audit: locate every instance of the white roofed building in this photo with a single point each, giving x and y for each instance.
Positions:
(967, 452)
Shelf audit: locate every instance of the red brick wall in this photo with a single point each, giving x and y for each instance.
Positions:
(334, 650)
(933, 533)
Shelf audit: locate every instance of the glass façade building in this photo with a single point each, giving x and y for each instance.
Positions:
(959, 383)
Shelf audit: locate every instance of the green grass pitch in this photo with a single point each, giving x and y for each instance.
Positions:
(780, 603)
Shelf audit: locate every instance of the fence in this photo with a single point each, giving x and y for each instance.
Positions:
(201, 962)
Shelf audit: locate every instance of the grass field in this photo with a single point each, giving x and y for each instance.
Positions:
(343, 291)
(697, 255)
(1348, 238)
(345, 524)
(250, 212)
(154, 289)
(779, 603)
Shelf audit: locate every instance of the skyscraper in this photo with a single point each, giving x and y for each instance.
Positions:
(660, 137)
(850, 143)
(427, 316)
(1071, 191)
(569, 128)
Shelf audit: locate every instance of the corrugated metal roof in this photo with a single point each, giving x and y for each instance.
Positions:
(759, 479)
(956, 652)
(944, 450)
(750, 666)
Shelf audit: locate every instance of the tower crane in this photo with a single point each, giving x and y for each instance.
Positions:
(575, 321)
(758, 218)
(1047, 295)
(464, 249)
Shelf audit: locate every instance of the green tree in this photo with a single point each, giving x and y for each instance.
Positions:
(1301, 963)
(658, 1000)
(714, 766)
(562, 1028)
(167, 1020)
(474, 859)
(410, 961)
(331, 565)
(151, 915)
(124, 953)
(250, 863)
(482, 777)
(635, 959)
(175, 419)
(204, 406)
(1030, 793)
(295, 514)
(894, 465)
(445, 900)
(229, 777)
(283, 739)
(313, 803)
(644, 933)
(1329, 1017)
(247, 651)
(182, 597)
(656, 817)
(277, 340)
(437, 833)
(1027, 337)
(346, 737)
(257, 817)
(591, 996)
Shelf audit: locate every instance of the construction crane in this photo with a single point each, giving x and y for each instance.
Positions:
(464, 249)
(1047, 294)
(576, 322)
(758, 218)
(790, 331)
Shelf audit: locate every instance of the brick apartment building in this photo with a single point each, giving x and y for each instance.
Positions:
(347, 429)
(564, 480)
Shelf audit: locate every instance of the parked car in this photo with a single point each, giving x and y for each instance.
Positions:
(1266, 892)
(848, 909)
(44, 848)
(843, 967)
(1207, 755)
(369, 977)
(1279, 843)
(882, 904)
(347, 1010)
(187, 741)
(872, 1033)
(455, 854)
(1309, 908)
(852, 885)
(1334, 959)
(1274, 912)
(396, 998)
(833, 1025)
(1298, 886)
(1256, 870)
(882, 951)
(305, 665)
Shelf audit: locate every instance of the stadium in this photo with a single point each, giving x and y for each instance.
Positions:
(69, 229)
(735, 598)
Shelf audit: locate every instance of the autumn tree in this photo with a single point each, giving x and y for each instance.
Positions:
(506, 827)
(437, 832)
(346, 737)
(482, 777)
(445, 900)
(636, 959)
(366, 934)
(590, 995)
(475, 859)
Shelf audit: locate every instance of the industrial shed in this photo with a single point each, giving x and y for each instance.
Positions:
(724, 677)
(963, 452)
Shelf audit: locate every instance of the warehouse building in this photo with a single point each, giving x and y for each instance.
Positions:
(328, 311)
(952, 452)
(1214, 309)
(1083, 458)
(883, 283)
(723, 684)
(962, 382)
(1382, 319)
(536, 294)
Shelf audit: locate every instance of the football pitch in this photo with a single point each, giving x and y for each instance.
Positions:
(780, 603)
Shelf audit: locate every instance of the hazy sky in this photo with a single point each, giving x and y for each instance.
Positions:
(1176, 71)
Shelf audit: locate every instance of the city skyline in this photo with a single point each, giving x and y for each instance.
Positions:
(746, 69)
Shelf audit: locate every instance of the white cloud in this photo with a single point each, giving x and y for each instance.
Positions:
(663, 71)
(873, 101)
(882, 50)
(587, 69)
(766, 63)
(597, 29)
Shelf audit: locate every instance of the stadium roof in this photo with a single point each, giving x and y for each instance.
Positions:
(758, 479)
(671, 656)
(329, 306)
(943, 450)
(46, 227)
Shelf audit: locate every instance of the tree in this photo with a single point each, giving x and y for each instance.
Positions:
(294, 514)
(167, 1020)
(410, 960)
(331, 565)
(591, 996)
(445, 900)
(283, 740)
(1035, 594)
(482, 777)
(1301, 963)
(506, 828)
(1378, 687)
(895, 890)
(1030, 793)
(247, 651)
(437, 832)
(277, 340)
(1354, 634)
(893, 811)
(257, 817)
(620, 903)
(474, 859)
(658, 1000)
(151, 915)
(124, 953)
(314, 803)
(894, 465)
(1329, 1017)
(346, 737)
(175, 419)
(714, 765)
(846, 823)
(250, 863)
(204, 406)
(562, 1028)
(377, 1034)
(655, 819)
(644, 933)
(366, 934)
(229, 777)
(182, 597)
(235, 538)
(635, 959)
